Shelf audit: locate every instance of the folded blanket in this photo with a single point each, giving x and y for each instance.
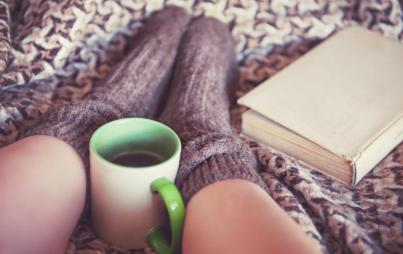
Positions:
(53, 52)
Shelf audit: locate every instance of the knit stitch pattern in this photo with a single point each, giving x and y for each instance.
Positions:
(198, 110)
(133, 89)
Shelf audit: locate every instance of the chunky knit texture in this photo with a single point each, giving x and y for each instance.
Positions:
(198, 110)
(270, 35)
(133, 88)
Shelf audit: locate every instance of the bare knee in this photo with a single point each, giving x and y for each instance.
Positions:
(42, 192)
(39, 144)
(46, 154)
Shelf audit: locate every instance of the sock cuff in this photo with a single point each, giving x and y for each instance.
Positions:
(74, 123)
(218, 168)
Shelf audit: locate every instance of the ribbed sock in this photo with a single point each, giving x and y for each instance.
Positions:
(198, 110)
(133, 88)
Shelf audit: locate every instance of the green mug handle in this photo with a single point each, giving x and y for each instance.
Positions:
(176, 213)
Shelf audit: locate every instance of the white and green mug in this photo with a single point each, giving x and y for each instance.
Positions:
(126, 210)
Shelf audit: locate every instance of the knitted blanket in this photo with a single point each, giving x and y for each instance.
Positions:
(54, 52)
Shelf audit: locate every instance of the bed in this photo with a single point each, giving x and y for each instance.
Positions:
(54, 52)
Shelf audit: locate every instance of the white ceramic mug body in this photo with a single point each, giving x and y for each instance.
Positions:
(123, 208)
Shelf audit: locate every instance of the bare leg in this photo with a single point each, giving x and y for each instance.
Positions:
(237, 216)
(42, 194)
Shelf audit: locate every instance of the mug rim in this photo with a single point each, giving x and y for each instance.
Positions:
(97, 132)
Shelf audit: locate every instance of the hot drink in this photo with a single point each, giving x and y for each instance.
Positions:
(136, 159)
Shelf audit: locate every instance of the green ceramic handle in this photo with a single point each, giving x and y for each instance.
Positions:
(176, 213)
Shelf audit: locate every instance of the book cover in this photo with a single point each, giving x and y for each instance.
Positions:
(344, 96)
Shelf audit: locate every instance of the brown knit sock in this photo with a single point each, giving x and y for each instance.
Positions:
(198, 110)
(133, 88)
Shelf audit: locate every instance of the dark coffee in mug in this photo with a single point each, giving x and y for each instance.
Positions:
(125, 210)
(136, 159)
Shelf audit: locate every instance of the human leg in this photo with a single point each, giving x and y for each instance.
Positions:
(133, 89)
(42, 193)
(236, 216)
(227, 211)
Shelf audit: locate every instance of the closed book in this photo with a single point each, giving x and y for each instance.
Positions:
(338, 108)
